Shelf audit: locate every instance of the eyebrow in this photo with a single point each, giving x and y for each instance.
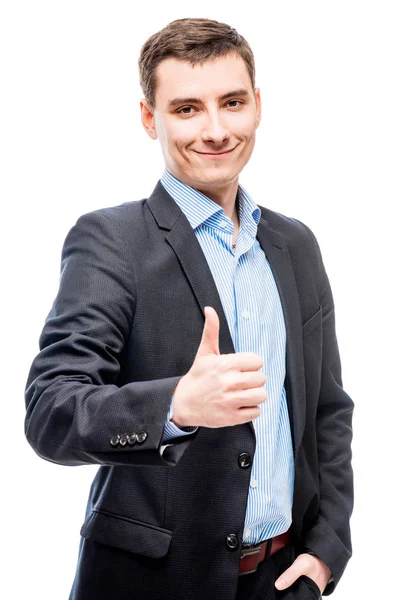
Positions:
(176, 101)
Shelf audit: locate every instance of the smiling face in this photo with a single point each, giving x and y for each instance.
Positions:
(206, 118)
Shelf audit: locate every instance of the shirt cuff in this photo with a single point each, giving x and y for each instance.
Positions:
(171, 430)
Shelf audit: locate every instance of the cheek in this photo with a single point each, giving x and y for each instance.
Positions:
(246, 126)
(184, 133)
(180, 142)
(162, 132)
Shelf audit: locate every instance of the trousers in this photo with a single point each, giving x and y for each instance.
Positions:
(260, 585)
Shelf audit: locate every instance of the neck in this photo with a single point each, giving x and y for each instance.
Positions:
(226, 200)
(224, 195)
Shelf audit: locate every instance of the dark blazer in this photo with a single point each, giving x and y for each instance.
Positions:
(123, 329)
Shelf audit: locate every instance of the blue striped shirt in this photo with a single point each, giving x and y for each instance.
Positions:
(256, 323)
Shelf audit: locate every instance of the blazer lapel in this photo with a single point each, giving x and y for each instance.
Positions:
(277, 253)
(180, 236)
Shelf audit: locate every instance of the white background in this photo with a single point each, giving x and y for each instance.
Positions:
(327, 153)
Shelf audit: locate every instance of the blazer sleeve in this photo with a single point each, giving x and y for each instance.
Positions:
(75, 412)
(329, 536)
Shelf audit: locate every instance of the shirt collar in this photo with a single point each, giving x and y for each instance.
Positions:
(200, 209)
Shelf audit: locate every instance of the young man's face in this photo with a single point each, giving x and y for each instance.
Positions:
(195, 134)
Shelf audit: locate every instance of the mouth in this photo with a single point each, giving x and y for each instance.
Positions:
(216, 154)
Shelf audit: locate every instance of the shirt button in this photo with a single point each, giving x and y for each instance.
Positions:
(245, 314)
(247, 533)
(223, 224)
(253, 483)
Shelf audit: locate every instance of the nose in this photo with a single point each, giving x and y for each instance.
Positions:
(215, 130)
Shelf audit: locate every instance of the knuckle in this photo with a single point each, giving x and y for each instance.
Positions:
(307, 561)
(224, 362)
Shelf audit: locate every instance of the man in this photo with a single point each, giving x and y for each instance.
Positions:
(191, 353)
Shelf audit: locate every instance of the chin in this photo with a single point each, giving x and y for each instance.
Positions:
(205, 179)
(218, 176)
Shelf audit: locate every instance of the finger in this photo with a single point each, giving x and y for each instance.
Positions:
(209, 343)
(250, 397)
(288, 577)
(245, 361)
(250, 379)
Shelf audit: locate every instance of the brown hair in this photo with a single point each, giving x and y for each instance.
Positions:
(190, 40)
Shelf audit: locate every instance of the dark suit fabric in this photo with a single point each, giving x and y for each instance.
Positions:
(123, 329)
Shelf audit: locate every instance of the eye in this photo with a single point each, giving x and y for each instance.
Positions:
(229, 101)
(184, 108)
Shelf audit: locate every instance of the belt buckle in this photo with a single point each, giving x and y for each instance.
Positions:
(250, 551)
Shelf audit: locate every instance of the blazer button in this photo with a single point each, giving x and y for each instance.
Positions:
(244, 460)
(132, 439)
(123, 440)
(114, 441)
(141, 436)
(231, 541)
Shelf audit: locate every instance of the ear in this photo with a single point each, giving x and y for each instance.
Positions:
(147, 115)
(257, 97)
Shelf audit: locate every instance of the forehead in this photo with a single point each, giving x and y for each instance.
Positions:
(207, 80)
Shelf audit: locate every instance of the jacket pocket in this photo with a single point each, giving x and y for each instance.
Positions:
(312, 323)
(125, 533)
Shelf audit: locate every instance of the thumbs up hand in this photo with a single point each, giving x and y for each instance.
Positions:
(219, 390)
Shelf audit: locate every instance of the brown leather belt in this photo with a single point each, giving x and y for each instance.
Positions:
(250, 557)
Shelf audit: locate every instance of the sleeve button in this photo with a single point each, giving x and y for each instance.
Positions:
(132, 439)
(141, 436)
(123, 440)
(114, 441)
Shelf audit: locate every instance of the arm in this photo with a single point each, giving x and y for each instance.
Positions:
(74, 409)
(329, 537)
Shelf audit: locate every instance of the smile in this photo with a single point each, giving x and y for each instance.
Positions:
(216, 154)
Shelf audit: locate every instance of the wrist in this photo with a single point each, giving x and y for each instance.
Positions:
(177, 422)
(176, 417)
(327, 569)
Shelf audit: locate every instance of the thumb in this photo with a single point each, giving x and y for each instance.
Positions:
(209, 343)
(296, 569)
